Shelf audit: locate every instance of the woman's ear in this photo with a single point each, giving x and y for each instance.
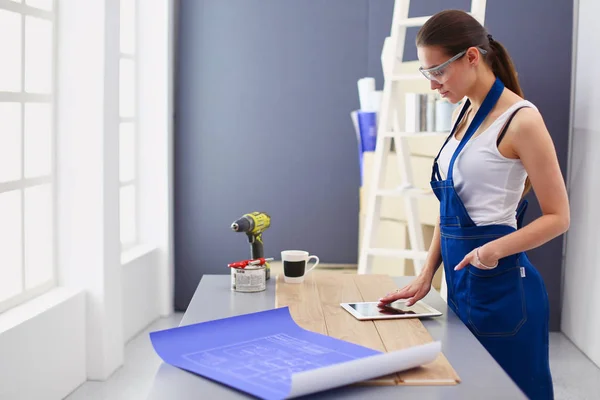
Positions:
(473, 56)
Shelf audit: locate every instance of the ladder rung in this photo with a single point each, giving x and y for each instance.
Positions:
(415, 134)
(400, 253)
(411, 192)
(416, 21)
(406, 77)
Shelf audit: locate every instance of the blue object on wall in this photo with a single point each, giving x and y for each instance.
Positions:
(367, 135)
(367, 125)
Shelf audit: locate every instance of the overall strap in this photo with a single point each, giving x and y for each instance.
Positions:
(485, 108)
(435, 173)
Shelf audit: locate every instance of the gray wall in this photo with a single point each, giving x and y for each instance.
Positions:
(265, 88)
(265, 91)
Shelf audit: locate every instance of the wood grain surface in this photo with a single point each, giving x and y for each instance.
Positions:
(315, 306)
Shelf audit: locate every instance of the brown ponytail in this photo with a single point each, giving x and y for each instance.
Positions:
(503, 66)
(455, 31)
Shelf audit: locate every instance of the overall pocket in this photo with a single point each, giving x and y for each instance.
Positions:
(449, 221)
(496, 301)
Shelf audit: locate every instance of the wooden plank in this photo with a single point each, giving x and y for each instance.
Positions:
(303, 301)
(335, 288)
(400, 334)
(314, 305)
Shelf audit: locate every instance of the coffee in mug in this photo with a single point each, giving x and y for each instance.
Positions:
(294, 265)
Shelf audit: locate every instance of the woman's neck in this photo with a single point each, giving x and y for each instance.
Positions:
(481, 88)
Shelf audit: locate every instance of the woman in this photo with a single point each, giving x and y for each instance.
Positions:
(498, 149)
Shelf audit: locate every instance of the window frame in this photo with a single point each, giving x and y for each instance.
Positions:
(22, 97)
(135, 182)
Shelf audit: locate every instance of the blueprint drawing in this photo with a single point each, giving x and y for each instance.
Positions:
(267, 355)
(269, 361)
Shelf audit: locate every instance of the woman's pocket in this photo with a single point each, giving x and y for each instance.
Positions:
(449, 221)
(496, 300)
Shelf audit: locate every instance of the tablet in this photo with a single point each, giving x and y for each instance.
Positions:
(397, 309)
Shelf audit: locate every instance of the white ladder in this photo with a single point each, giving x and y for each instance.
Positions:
(388, 129)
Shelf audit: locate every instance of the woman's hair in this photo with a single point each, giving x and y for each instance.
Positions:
(455, 31)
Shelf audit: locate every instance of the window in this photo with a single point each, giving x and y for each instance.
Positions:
(27, 150)
(128, 127)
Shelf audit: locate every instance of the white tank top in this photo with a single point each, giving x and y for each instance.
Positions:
(489, 184)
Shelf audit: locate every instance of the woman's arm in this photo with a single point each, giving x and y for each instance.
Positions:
(529, 140)
(421, 285)
(434, 255)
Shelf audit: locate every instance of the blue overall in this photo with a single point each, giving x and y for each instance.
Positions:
(506, 308)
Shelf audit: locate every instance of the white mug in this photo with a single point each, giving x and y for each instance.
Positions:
(294, 265)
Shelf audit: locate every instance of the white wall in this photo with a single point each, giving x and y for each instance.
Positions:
(155, 107)
(42, 347)
(88, 173)
(581, 292)
(147, 278)
(140, 288)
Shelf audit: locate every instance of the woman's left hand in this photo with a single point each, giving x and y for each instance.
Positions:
(471, 258)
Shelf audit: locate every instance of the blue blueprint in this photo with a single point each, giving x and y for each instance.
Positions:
(256, 353)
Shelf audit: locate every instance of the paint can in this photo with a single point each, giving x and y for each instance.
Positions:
(251, 279)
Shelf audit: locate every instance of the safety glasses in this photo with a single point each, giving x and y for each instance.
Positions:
(437, 73)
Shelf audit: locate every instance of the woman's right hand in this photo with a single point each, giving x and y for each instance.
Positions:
(414, 291)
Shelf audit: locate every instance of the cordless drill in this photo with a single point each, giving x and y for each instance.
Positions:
(253, 225)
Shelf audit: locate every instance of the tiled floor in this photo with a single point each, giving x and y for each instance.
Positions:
(575, 376)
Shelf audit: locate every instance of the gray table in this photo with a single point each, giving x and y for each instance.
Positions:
(481, 376)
